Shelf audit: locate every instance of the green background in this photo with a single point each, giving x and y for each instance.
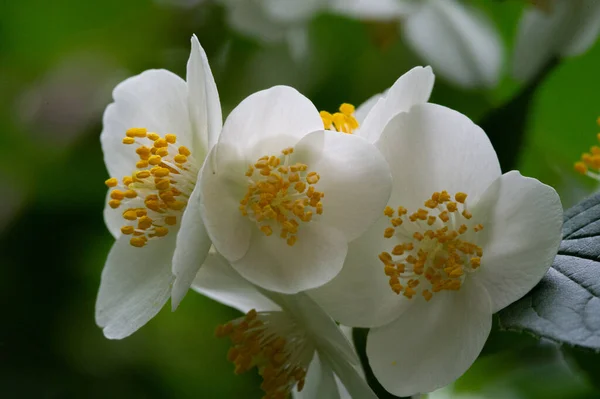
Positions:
(60, 60)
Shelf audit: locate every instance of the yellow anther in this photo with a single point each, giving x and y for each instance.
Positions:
(427, 295)
(117, 195)
(396, 222)
(141, 164)
(388, 211)
(402, 211)
(171, 220)
(418, 236)
(475, 262)
(431, 204)
(160, 172)
(452, 207)
(478, 227)
(136, 132)
(112, 182)
(431, 220)
(162, 152)
(385, 257)
(460, 197)
(171, 138)
(114, 204)
(444, 216)
(160, 231)
(581, 168)
(127, 230)
(466, 214)
(347, 109)
(389, 232)
(444, 197)
(398, 250)
(267, 230)
(155, 160)
(184, 151)
(291, 240)
(161, 143)
(138, 241)
(312, 178)
(128, 140)
(327, 119)
(153, 136)
(180, 159)
(142, 174)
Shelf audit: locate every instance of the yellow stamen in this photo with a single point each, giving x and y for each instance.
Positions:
(343, 121)
(281, 364)
(156, 194)
(440, 254)
(281, 195)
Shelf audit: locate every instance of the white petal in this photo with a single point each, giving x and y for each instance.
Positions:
(320, 382)
(217, 280)
(219, 206)
(363, 110)
(414, 87)
(433, 148)
(522, 221)
(572, 25)
(327, 335)
(380, 10)
(204, 103)
(315, 259)
(268, 121)
(539, 36)
(192, 248)
(154, 99)
(136, 283)
(250, 18)
(360, 295)
(354, 176)
(458, 41)
(587, 27)
(432, 343)
(288, 11)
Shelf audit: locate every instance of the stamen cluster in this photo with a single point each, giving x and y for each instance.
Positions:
(155, 194)
(281, 362)
(281, 195)
(343, 121)
(590, 160)
(436, 246)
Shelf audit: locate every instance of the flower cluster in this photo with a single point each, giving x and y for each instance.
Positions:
(392, 216)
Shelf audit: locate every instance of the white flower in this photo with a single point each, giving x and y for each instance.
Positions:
(458, 41)
(156, 136)
(290, 340)
(565, 28)
(274, 21)
(457, 242)
(281, 198)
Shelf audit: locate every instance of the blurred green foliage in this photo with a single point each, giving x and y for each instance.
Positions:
(52, 238)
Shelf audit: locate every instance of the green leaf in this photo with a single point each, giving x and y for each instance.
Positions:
(565, 306)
